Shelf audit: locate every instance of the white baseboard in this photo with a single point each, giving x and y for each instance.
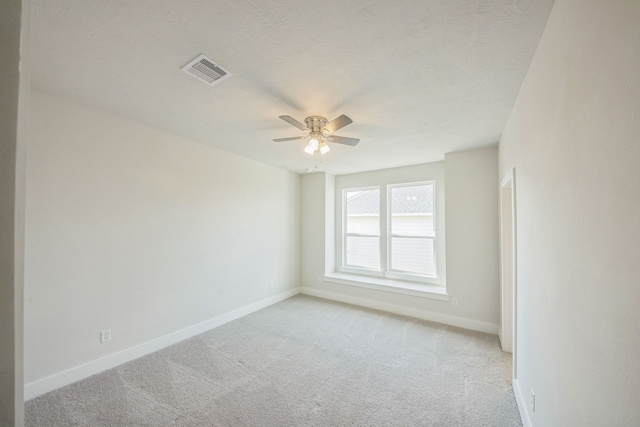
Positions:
(61, 379)
(522, 404)
(460, 322)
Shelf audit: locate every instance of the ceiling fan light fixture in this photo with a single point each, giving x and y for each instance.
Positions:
(312, 146)
(324, 148)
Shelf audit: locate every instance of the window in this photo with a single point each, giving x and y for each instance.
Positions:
(389, 231)
(412, 237)
(362, 228)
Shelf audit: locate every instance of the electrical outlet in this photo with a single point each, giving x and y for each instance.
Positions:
(533, 401)
(270, 285)
(454, 302)
(105, 336)
(320, 279)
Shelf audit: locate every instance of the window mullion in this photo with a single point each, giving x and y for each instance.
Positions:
(343, 253)
(384, 229)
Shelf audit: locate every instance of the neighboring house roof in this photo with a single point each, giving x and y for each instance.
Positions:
(363, 202)
(416, 199)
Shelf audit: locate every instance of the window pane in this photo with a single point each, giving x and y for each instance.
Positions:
(363, 252)
(412, 210)
(414, 255)
(360, 224)
(363, 212)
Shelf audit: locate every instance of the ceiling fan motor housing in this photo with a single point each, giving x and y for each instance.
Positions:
(315, 123)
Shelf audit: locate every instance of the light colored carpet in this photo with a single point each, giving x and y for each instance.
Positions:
(302, 362)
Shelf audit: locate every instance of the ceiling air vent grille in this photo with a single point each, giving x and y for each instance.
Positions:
(206, 70)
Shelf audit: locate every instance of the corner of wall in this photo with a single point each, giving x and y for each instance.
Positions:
(472, 219)
(329, 224)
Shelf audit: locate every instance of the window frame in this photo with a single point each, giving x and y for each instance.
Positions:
(385, 236)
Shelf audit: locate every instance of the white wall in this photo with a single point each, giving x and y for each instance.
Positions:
(312, 231)
(142, 232)
(473, 244)
(573, 138)
(471, 235)
(14, 69)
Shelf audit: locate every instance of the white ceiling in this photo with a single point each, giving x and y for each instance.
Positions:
(419, 78)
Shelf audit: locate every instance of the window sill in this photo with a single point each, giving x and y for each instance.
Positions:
(387, 285)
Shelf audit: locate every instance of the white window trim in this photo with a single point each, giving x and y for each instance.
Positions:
(400, 282)
(421, 290)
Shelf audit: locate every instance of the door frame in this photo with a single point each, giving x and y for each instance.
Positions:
(508, 265)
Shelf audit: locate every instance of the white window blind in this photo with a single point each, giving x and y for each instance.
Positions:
(412, 232)
(362, 228)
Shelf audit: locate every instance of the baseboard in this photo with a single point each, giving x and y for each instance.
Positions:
(461, 322)
(522, 404)
(61, 379)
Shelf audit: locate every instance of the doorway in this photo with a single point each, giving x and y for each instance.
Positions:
(508, 287)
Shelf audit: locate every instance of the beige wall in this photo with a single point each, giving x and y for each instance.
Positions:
(574, 140)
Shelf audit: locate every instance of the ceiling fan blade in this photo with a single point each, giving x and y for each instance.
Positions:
(293, 122)
(294, 138)
(343, 140)
(338, 123)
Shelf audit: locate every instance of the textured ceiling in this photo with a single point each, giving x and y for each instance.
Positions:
(419, 78)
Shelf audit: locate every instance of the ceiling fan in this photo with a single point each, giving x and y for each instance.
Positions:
(321, 131)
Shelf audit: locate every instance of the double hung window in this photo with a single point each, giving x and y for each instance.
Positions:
(389, 231)
(362, 228)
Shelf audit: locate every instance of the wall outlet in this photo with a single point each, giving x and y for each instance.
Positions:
(533, 401)
(105, 336)
(320, 279)
(454, 302)
(270, 285)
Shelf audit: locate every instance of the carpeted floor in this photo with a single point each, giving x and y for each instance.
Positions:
(302, 362)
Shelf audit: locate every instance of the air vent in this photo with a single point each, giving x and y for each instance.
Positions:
(206, 70)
